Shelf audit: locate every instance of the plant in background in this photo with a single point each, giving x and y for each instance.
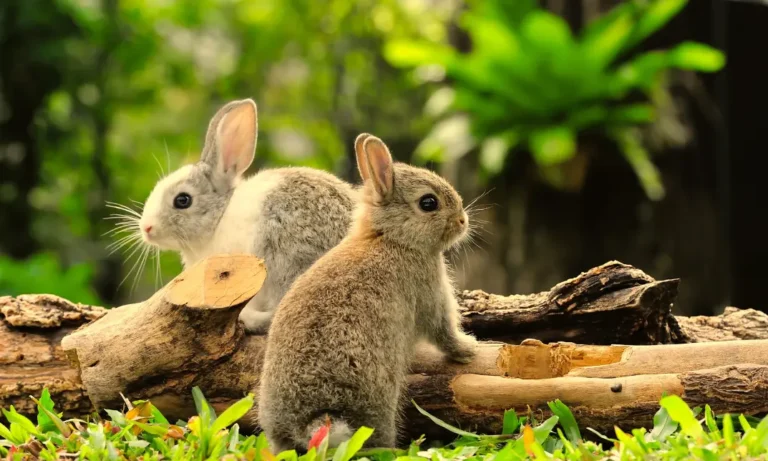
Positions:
(42, 273)
(529, 82)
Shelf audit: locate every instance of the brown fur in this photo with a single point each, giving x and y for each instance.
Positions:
(343, 336)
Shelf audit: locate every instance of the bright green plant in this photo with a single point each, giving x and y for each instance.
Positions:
(42, 273)
(528, 81)
(142, 432)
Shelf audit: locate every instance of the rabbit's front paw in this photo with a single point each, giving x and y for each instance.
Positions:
(256, 322)
(464, 350)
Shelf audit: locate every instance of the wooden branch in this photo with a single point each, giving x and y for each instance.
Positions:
(478, 401)
(31, 358)
(612, 303)
(732, 324)
(187, 335)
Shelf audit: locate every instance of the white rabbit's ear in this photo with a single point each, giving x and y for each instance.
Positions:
(362, 165)
(380, 169)
(231, 140)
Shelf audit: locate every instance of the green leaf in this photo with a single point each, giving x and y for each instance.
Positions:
(663, 425)
(204, 410)
(697, 56)
(646, 171)
(353, 445)
(679, 411)
(6, 434)
(547, 32)
(551, 146)
(566, 419)
(507, 453)
(606, 39)
(633, 114)
(728, 433)
(158, 417)
(641, 72)
(409, 53)
(653, 17)
(511, 422)
(117, 417)
(542, 431)
(153, 429)
(44, 422)
(443, 424)
(236, 411)
(709, 418)
(745, 426)
(14, 417)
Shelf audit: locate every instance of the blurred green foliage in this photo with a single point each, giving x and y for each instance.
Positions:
(132, 84)
(43, 273)
(528, 80)
(140, 80)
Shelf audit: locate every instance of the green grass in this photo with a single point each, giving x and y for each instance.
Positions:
(143, 433)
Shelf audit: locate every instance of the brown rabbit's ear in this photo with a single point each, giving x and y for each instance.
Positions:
(360, 154)
(230, 143)
(380, 169)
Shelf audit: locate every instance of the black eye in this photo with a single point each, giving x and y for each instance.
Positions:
(428, 203)
(182, 201)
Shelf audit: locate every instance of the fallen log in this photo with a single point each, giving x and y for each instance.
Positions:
(187, 334)
(612, 303)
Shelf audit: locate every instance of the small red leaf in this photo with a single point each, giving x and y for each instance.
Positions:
(320, 434)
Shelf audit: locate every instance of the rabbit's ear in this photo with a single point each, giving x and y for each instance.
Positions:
(380, 169)
(231, 140)
(360, 154)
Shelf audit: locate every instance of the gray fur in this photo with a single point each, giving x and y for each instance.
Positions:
(287, 216)
(343, 336)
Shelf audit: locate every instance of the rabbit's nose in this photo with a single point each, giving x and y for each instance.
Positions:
(462, 220)
(147, 229)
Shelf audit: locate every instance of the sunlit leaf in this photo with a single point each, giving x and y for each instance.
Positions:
(443, 424)
(680, 412)
(566, 419)
(553, 145)
(353, 445)
(697, 56)
(408, 53)
(510, 422)
(547, 32)
(236, 411)
(654, 15)
(663, 425)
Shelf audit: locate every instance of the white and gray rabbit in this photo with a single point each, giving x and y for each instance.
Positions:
(344, 335)
(287, 216)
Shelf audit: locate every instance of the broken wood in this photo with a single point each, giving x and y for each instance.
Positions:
(730, 325)
(31, 358)
(612, 303)
(187, 335)
(478, 401)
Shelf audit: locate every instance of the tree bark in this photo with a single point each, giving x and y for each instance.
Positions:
(187, 335)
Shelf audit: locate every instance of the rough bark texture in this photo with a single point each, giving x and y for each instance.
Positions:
(732, 324)
(612, 303)
(187, 335)
(31, 328)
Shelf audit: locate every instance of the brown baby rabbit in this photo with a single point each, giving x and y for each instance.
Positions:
(344, 335)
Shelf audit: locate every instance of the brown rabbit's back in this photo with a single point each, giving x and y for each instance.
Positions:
(365, 366)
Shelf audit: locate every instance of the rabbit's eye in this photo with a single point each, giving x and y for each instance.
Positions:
(182, 201)
(428, 203)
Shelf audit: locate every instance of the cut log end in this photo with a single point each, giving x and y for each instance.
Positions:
(218, 282)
